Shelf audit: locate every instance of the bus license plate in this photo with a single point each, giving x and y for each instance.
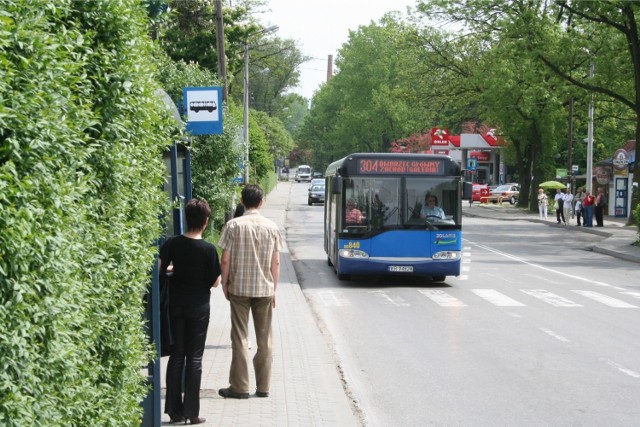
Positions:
(401, 268)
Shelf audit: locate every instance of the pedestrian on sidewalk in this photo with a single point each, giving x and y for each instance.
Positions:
(251, 247)
(239, 210)
(587, 209)
(543, 203)
(567, 204)
(601, 204)
(195, 270)
(558, 205)
(579, 197)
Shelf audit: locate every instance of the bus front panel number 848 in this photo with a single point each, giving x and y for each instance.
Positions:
(394, 214)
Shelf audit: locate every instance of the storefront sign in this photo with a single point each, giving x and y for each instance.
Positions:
(439, 137)
(602, 174)
(621, 162)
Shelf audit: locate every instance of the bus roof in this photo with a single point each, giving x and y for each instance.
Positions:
(393, 164)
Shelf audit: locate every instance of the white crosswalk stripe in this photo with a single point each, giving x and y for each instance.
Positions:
(442, 298)
(497, 298)
(633, 294)
(605, 299)
(550, 298)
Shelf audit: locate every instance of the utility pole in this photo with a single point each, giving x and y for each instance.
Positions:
(329, 67)
(222, 55)
(590, 139)
(570, 147)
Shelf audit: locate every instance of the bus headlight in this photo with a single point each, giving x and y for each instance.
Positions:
(449, 255)
(353, 253)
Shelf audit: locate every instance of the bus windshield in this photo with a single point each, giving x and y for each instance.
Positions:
(375, 204)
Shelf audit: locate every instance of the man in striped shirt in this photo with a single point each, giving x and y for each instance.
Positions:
(250, 264)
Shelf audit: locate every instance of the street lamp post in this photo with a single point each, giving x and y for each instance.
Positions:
(245, 102)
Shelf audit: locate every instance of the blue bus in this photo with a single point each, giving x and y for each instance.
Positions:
(388, 214)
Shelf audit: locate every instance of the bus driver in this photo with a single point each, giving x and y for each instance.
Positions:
(431, 208)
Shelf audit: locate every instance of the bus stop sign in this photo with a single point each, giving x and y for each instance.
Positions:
(203, 108)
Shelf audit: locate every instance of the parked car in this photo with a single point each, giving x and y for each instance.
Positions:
(508, 192)
(316, 181)
(479, 191)
(316, 194)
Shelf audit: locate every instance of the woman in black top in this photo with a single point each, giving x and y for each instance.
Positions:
(196, 269)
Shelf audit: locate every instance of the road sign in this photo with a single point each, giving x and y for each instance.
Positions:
(472, 163)
(203, 108)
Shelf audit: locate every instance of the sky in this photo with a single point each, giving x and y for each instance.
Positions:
(321, 27)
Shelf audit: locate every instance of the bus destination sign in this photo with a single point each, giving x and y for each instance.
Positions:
(401, 167)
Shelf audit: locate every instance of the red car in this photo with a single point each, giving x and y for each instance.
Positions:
(479, 190)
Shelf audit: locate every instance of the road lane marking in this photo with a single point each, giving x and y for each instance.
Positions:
(497, 298)
(391, 300)
(442, 298)
(553, 334)
(621, 368)
(550, 298)
(333, 299)
(544, 279)
(551, 270)
(633, 294)
(606, 300)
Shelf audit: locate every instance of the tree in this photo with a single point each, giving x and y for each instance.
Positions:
(361, 107)
(604, 34)
(274, 69)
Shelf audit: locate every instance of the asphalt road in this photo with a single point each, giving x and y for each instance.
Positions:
(535, 332)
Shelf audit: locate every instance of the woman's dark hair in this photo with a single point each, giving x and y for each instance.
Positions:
(196, 213)
(239, 210)
(426, 198)
(251, 196)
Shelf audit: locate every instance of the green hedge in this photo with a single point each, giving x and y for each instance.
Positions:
(81, 137)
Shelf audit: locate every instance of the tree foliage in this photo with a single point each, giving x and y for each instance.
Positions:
(81, 139)
(361, 108)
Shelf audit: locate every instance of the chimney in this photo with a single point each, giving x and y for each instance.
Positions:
(329, 67)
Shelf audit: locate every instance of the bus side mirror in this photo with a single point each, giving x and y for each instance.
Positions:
(467, 190)
(336, 186)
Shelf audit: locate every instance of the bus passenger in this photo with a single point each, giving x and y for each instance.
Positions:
(353, 214)
(431, 208)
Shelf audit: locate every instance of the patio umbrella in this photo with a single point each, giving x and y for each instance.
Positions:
(552, 185)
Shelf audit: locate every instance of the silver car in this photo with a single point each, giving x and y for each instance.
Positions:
(316, 194)
(508, 192)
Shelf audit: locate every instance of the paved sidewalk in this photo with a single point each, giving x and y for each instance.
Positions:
(617, 238)
(306, 386)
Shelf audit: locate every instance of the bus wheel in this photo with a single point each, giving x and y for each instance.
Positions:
(438, 278)
(329, 263)
(342, 276)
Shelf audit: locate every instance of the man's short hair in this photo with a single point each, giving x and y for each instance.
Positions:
(196, 213)
(251, 196)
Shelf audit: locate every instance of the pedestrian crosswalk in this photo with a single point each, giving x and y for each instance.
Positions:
(501, 299)
(460, 298)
